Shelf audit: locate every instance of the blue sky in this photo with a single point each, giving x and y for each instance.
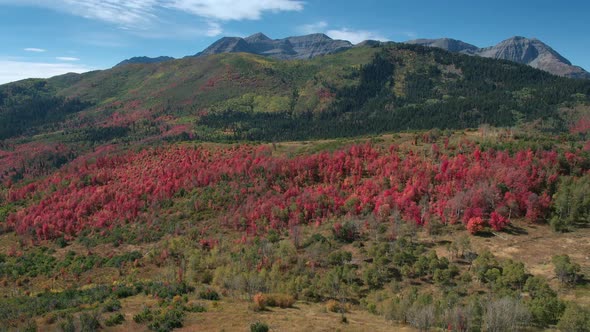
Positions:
(42, 38)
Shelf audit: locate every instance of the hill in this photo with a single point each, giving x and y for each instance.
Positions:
(141, 197)
(235, 96)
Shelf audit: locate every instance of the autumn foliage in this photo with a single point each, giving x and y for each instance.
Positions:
(251, 190)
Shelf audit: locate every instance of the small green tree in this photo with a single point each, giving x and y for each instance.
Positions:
(544, 305)
(566, 271)
(513, 275)
(571, 203)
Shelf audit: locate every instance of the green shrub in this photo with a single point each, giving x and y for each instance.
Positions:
(339, 257)
(115, 319)
(161, 320)
(111, 305)
(346, 232)
(61, 242)
(209, 294)
(167, 320)
(167, 291)
(259, 327)
(29, 326)
(89, 322)
(144, 316)
(67, 324)
(315, 238)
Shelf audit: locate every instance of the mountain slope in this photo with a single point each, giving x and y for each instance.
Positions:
(532, 52)
(301, 47)
(232, 97)
(240, 96)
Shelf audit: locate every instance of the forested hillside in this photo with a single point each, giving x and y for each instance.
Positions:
(365, 90)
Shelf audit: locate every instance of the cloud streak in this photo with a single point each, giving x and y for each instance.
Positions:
(35, 50)
(232, 10)
(313, 27)
(147, 14)
(66, 58)
(11, 70)
(355, 36)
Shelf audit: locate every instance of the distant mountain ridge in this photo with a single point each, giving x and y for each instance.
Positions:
(144, 60)
(299, 47)
(529, 51)
(449, 44)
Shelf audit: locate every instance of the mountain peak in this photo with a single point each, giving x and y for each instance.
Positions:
(517, 38)
(529, 51)
(319, 35)
(297, 47)
(257, 37)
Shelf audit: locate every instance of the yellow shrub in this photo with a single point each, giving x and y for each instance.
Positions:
(280, 300)
(259, 302)
(335, 306)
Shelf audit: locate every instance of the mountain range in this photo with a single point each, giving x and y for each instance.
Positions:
(300, 47)
(366, 89)
(532, 52)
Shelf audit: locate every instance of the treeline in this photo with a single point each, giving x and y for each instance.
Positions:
(29, 104)
(409, 87)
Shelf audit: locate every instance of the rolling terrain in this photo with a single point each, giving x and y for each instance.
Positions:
(390, 186)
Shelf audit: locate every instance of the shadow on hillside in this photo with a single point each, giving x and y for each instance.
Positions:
(515, 230)
(485, 234)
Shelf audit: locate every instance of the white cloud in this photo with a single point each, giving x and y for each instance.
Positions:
(180, 32)
(139, 14)
(227, 10)
(313, 27)
(67, 58)
(213, 29)
(17, 70)
(36, 50)
(354, 36)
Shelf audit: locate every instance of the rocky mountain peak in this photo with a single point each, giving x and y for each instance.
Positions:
(529, 51)
(298, 47)
(257, 37)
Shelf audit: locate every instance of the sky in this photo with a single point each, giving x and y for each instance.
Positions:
(44, 38)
